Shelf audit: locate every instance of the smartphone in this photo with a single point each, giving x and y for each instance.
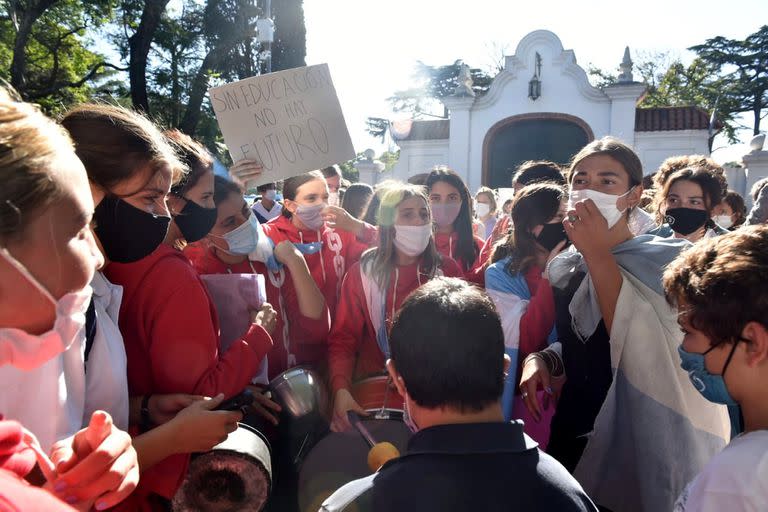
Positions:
(237, 402)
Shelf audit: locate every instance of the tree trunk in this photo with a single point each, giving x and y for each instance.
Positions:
(197, 92)
(290, 47)
(139, 45)
(756, 110)
(175, 87)
(28, 17)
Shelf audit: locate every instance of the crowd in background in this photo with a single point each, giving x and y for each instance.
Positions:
(621, 313)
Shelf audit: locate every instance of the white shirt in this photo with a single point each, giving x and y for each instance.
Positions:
(735, 480)
(258, 207)
(49, 400)
(106, 378)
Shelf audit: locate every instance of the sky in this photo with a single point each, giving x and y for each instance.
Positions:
(371, 46)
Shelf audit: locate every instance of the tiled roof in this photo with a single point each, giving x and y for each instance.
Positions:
(430, 129)
(646, 120)
(672, 118)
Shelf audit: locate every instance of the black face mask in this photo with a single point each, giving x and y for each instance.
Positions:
(686, 220)
(127, 233)
(194, 221)
(551, 235)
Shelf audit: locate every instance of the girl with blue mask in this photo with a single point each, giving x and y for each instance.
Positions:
(232, 247)
(719, 288)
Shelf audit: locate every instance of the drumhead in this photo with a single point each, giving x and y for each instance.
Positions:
(236, 476)
(341, 457)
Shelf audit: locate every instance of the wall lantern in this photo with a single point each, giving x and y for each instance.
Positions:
(534, 86)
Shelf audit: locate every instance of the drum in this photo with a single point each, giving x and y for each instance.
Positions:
(341, 457)
(378, 396)
(235, 476)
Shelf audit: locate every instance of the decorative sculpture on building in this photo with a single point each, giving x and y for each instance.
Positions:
(465, 82)
(626, 68)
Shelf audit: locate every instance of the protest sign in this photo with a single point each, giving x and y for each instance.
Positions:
(289, 121)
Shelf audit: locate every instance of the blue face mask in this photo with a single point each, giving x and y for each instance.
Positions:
(244, 238)
(711, 386)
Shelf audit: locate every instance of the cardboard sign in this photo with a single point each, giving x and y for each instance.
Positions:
(289, 121)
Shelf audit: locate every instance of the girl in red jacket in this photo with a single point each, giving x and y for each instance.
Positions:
(226, 249)
(307, 219)
(452, 214)
(169, 324)
(375, 287)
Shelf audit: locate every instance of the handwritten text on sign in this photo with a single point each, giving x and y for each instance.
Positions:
(290, 121)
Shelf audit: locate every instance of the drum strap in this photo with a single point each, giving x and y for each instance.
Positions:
(347, 493)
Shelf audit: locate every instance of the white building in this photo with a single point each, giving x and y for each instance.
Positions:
(486, 137)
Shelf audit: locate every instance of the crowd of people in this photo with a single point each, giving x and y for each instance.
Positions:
(599, 341)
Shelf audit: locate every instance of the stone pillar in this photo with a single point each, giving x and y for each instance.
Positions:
(460, 108)
(756, 164)
(369, 168)
(737, 179)
(624, 98)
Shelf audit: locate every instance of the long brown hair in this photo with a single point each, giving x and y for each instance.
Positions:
(194, 155)
(382, 259)
(466, 249)
(712, 184)
(115, 144)
(534, 205)
(615, 149)
(292, 184)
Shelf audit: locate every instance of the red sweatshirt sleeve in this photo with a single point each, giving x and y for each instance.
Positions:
(477, 273)
(347, 331)
(539, 319)
(184, 346)
(356, 246)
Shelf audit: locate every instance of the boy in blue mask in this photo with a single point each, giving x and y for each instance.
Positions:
(720, 290)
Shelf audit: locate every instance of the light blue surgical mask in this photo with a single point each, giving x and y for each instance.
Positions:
(711, 386)
(244, 238)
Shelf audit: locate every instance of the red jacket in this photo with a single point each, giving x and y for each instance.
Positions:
(171, 335)
(327, 267)
(206, 262)
(477, 273)
(539, 318)
(352, 349)
(16, 460)
(446, 246)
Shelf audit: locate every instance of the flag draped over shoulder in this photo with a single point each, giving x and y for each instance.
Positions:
(654, 432)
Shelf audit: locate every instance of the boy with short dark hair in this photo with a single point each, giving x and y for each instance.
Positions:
(267, 208)
(720, 287)
(448, 363)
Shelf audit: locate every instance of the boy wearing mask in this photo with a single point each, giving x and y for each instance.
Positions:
(267, 208)
(719, 288)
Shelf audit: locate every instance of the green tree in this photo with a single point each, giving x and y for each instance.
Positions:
(697, 84)
(431, 84)
(44, 49)
(672, 84)
(744, 63)
(290, 47)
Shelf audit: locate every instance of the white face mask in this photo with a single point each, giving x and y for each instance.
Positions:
(270, 194)
(724, 221)
(413, 240)
(606, 203)
(29, 351)
(244, 238)
(333, 199)
(482, 210)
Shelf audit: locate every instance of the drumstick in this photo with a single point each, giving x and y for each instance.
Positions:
(354, 420)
